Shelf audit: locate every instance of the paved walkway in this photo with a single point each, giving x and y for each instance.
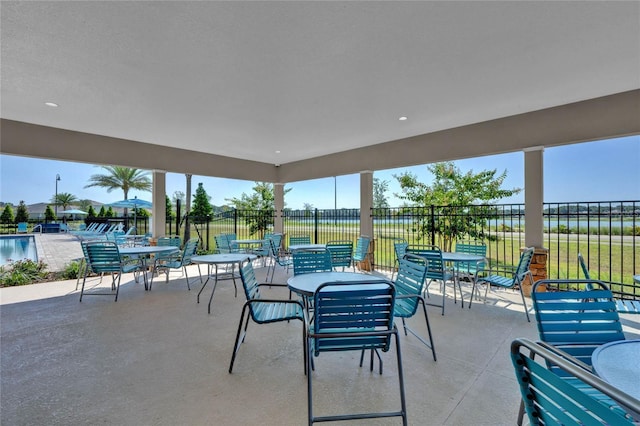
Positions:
(57, 250)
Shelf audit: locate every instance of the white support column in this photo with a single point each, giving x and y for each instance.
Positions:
(159, 201)
(278, 194)
(534, 197)
(366, 203)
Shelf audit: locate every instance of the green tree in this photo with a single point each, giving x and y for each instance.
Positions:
(110, 212)
(452, 193)
(380, 202)
(257, 208)
(7, 214)
(201, 207)
(64, 199)
(91, 212)
(123, 178)
(169, 213)
(307, 209)
(140, 212)
(102, 212)
(22, 213)
(49, 214)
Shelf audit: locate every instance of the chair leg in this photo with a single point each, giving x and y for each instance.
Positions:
(238, 342)
(426, 318)
(187, 277)
(524, 303)
(309, 384)
(403, 403)
(86, 271)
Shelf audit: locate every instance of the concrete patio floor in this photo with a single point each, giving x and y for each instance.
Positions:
(158, 358)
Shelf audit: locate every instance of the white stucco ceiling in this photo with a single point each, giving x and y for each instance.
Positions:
(247, 79)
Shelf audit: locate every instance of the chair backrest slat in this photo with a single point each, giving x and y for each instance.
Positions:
(103, 256)
(341, 252)
(362, 248)
(299, 239)
(436, 268)
(409, 281)
(354, 307)
(308, 261)
(576, 322)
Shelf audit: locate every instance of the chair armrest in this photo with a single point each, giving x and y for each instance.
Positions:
(565, 356)
(273, 285)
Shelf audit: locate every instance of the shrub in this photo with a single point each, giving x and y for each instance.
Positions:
(71, 271)
(22, 272)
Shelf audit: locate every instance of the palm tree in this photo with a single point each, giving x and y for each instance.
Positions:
(64, 199)
(123, 178)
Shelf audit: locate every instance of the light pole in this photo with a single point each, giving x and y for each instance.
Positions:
(56, 198)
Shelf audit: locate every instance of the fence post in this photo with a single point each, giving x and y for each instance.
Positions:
(315, 226)
(235, 221)
(433, 224)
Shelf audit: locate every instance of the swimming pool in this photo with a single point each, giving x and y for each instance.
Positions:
(17, 248)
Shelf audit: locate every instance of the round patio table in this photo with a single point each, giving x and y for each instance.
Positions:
(307, 284)
(220, 259)
(617, 363)
(143, 252)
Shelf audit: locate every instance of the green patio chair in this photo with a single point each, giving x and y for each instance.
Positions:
(409, 283)
(263, 310)
(624, 306)
(574, 321)
(562, 392)
(341, 253)
(361, 250)
(306, 262)
(354, 316)
(508, 277)
(399, 248)
(436, 271)
(103, 257)
(178, 260)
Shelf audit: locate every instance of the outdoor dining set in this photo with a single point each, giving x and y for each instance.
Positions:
(584, 370)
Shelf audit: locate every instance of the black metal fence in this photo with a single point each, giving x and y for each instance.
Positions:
(606, 233)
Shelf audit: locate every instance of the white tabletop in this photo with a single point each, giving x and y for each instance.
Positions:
(618, 363)
(147, 249)
(307, 247)
(307, 284)
(223, 258)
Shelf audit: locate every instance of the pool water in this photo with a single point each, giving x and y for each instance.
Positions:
(14, 248)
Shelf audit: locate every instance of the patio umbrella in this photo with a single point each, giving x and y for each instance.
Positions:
(133, 203)
(73, 211)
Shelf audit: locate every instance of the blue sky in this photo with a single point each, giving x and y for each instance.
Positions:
(595, 171)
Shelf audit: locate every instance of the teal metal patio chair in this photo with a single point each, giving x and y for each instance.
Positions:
(436, 271)
(341, 252)
(263, 310)
(399, 248)
(354, 316)
(562, 392)
(409, 283)
(508, 277)
(361, 250)
(278, 257)
(104, 257)
(470, 270)
(624, 306)
(22, 228)
(305, 262)
(575, 321)
(179, 260)
(299, 239)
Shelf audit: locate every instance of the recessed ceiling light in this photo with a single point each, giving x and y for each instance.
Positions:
(51, 104)
(277, 152)
(403, 118)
